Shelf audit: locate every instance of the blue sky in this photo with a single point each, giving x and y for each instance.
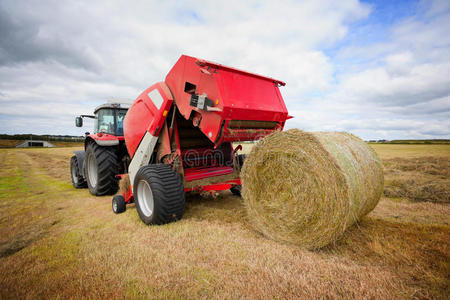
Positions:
(378, 69)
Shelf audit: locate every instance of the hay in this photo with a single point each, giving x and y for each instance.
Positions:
(124, 184)
(308, 188)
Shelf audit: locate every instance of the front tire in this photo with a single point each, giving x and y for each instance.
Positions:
(101, 169)
(118, 204)
(159, 194)
(78, 181)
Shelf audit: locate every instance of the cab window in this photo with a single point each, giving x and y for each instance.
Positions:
(120, 116)
(105, 121)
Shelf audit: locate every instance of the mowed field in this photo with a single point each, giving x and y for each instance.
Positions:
(59, 242)
(14, 143)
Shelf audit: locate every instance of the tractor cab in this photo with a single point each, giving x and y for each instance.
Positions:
(108, 118)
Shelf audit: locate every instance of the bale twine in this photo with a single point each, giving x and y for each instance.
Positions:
(308, 188)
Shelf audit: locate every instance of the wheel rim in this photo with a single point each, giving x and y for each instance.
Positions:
(92, 171)
(115, 206)
(145, 198)
(74, 173)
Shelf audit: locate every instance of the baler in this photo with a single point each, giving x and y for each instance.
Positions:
(180, 135)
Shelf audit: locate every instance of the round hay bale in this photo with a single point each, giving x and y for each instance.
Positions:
(308, 188)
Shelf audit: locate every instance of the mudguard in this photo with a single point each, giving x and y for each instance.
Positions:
(80, 161)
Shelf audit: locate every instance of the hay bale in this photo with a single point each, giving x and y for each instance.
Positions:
(124, 184)
(308, 188)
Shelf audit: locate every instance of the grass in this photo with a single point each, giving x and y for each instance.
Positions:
(411, 142)
(14, 143)
(59, 242)
(387, 151)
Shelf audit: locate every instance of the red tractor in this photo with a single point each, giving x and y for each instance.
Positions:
(105, 154)
(180, 133)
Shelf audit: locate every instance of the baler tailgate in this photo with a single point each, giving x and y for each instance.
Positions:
(249, 105)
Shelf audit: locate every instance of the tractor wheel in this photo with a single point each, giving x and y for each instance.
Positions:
(101, 169)
(77, 179)
(159, 194)
(236, 190)
(118, 204)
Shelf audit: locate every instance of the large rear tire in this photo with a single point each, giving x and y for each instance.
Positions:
(159, 194)
(101, 168)
(78, 180)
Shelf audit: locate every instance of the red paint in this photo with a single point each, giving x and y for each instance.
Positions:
(106, 137)
(202, 173)
(222, 186)
(236, 95)
(241, 96)
(144, 116)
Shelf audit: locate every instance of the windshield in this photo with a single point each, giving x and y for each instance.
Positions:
(110, 120)
(120, 116)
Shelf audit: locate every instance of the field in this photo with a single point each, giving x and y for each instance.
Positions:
(58, 242)
(4, 143)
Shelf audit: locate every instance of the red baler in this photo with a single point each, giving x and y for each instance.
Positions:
(180, 133)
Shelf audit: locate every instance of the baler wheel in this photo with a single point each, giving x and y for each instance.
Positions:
(118, 204)
(77, 179)
(159, 194)
(101, 168)
(236, 190)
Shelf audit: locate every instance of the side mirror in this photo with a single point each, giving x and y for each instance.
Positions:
(79, 121)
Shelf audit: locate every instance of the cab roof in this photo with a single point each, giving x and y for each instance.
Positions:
(113, 105)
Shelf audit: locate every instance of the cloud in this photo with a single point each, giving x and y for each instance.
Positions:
(63, 59)
(396, 88)
(25, 38)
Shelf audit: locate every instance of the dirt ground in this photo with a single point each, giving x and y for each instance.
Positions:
(60, 242)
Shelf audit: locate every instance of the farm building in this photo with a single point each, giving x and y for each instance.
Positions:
(34, 143)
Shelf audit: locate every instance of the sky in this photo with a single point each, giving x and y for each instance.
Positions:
(377, 69)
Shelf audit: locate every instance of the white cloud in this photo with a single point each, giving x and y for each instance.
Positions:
(55, 54)
(398, 88)
(63, 59)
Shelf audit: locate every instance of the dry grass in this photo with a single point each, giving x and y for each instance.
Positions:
(58, 242)
(418, 179)
(14, 143)
(387, 151)
(307, 188)
(124, 185)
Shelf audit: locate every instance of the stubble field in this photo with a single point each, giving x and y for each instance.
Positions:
(59, 242)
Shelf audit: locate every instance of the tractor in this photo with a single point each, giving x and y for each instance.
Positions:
(105, 154)
(181, 135)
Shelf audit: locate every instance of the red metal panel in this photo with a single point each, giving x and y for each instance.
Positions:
(222, 186)
(145, 115)
(105, 137)
(214, 65)
(236, 94)
(197, 173)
